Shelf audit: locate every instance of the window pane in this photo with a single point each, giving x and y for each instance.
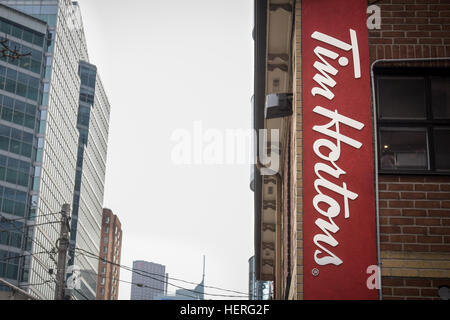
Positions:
(15, 147)
(11, 176)
(400, 98)
(7, 114)
(27, 36)
(403, 148)
(440, 91)
(17, 32)
(442, 156)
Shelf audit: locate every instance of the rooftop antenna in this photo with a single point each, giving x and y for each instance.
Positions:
(203, 278)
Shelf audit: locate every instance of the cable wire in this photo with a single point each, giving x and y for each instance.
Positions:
(140, 285)
(3, 218)
(39, 284)
(30, 226)
(148, 276)
(22, 256)
(175, 279)
(81, 293)
(41, 246)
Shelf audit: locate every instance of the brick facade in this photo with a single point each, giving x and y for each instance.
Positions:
(411, 29)
(415, 235)
(409, 288)
(415, 213)
(297, 160)
(414, 210)
(110, 255)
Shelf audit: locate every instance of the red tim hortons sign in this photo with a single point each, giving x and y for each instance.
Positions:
(339, 220)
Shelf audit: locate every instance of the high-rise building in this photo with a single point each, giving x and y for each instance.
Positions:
(55, 135)
(110, 251)
(149, 280)
(21, 85)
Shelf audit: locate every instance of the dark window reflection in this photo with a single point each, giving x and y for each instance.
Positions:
(440, 95)
(403, 148)
(442, 148)
(401, 97)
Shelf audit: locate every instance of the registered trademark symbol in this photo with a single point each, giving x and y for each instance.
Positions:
(315, 272)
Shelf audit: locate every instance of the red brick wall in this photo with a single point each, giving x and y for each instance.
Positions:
(411, 288)
(112, 244)
(411, 29)
(414, 210)
(414, 213)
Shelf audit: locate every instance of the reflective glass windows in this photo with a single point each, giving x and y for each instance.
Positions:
(16, 141)
(18, 112)
(19, 83)
(13, 201)
(14, 171)
(88, 76)
(31, 60)
(20, 32)
(9, 261)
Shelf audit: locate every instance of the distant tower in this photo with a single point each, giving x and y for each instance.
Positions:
(200, 288)
(203, 278)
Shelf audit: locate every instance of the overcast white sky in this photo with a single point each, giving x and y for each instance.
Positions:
(166, 64)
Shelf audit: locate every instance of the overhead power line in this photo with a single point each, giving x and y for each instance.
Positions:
(175, 279)
(38, 243)
(23, 218)
(46, 216)
(141, 285)
(146, 274)
(81, 293)
(22, 256)
(29, 226)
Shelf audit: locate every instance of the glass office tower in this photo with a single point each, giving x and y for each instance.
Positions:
(68, 149)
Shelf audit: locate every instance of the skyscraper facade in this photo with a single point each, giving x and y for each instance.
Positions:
(149, 280)
(21, 86)
(65, 150)
(110, 252)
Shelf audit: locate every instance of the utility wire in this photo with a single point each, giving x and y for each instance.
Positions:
(39, 284)
(159, 280)
(22, 256)
(140, 285)
(40, 245)
(33, 240)
(175, 279)
(30, 226)
(46, 216)
(23, 218)
(81, 293)
(140, 272)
